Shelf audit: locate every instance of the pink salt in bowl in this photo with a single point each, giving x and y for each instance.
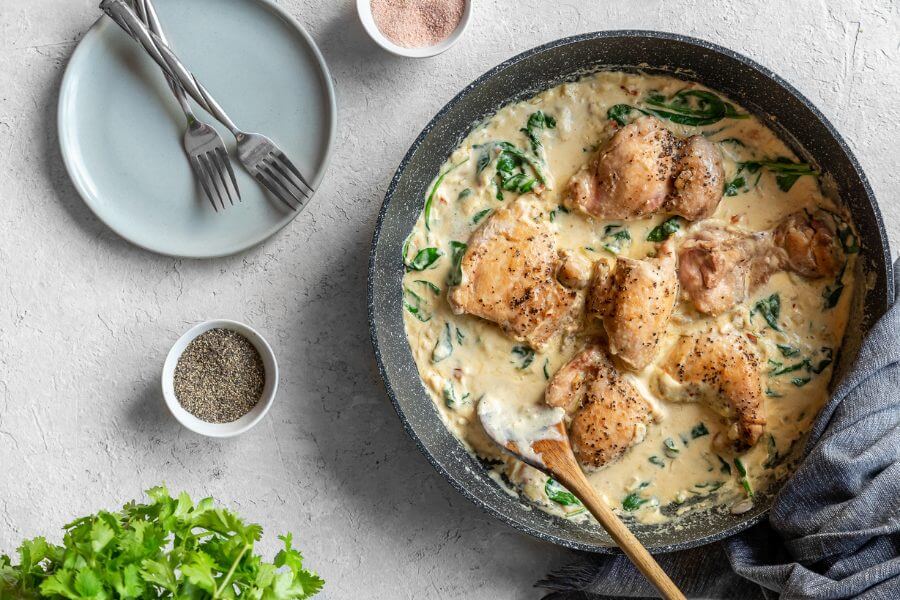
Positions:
(431, 48)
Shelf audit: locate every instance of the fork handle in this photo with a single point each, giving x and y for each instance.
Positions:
(125, 18)
(147, 14)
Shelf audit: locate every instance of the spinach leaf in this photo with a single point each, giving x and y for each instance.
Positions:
(537, 120)
(832, 292)
(736, 185)
(464, 194)
(803, 364)
(460, 336)
(443, 348)
(558, 493)
(664, 230)
(546, 373)
(773, 394)
(823, 364)
(800, 381)
(524, 355)
(556, 211)
(770, 309)
(724, 467)
(849, 241)
(450, 399)
(745, 481)
(786, 171)
(633, 502)
(480, 215)
(457, 251)
(424, 259)
(772, 450)
(413, 304)
(699, 430)
(619, 113)
(617, 237)
(671, 450)
(435, 289)
(434, 189)
(787, 351)
(692, 107)
(657, 461)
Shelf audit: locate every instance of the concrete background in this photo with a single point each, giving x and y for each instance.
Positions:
(86, 319)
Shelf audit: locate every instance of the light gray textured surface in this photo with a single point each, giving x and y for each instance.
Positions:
(86, 319)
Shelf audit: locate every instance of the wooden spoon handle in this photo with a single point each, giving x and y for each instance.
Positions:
(626, 540)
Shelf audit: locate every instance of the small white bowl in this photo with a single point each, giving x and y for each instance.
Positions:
(221, 430)
(364, 8)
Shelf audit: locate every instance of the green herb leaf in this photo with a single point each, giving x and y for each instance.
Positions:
(699, 430)
(434, 289)
(424, 259)
(559, 209)
(820, 366)
(619, 113)
(671, 450)
(524, 355)
(800, 381)
(745, 481)
(773, 394)
(781, 370)
(787, 351)
(443, 347)
(434, 189)
(480, 215)
(657, 461)
(832, 292)
(724, 467)
(546, 372)
(464, 194)
(558, 494)
(736, 185)
(770, 309)
(457, 251)
(169, 548)
(633, 502)
(412, 302)
(664, 230)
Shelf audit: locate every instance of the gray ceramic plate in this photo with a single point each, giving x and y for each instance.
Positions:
(121, 130)
(755, 88)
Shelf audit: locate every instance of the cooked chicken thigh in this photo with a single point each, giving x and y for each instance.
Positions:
(509, 276)
(810, 245)
(644, 169)
(608, 414)
(720, 266)
(722, 370)
(635, 302)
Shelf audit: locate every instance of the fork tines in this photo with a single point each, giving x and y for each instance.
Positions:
(210, 169)
(279, 175)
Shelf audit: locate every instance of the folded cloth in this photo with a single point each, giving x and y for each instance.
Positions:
(834, 528)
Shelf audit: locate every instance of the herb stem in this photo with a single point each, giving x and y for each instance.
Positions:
(228, 575)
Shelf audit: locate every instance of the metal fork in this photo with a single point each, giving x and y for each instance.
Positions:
(203, 145)
(260, 156)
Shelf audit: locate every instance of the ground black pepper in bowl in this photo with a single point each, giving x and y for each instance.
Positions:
(220, 376)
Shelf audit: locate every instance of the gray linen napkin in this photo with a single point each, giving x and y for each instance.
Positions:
(834, 529)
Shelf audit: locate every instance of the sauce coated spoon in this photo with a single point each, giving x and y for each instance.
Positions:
(537, 436)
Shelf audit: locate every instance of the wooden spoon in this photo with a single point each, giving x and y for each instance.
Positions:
(537, 436)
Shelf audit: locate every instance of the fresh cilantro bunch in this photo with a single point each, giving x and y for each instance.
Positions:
(169, 548)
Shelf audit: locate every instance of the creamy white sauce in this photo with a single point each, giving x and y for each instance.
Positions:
(481, 361)
(507, 423)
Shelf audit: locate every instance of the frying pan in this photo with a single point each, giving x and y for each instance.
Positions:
(755, 88)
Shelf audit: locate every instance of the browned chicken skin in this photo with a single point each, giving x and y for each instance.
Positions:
(722, 370)
(635, 302)
(608, 415)
(509, 276)
(645, 169)
(719, 266)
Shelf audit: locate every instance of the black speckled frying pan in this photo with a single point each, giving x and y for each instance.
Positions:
(754, 87)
